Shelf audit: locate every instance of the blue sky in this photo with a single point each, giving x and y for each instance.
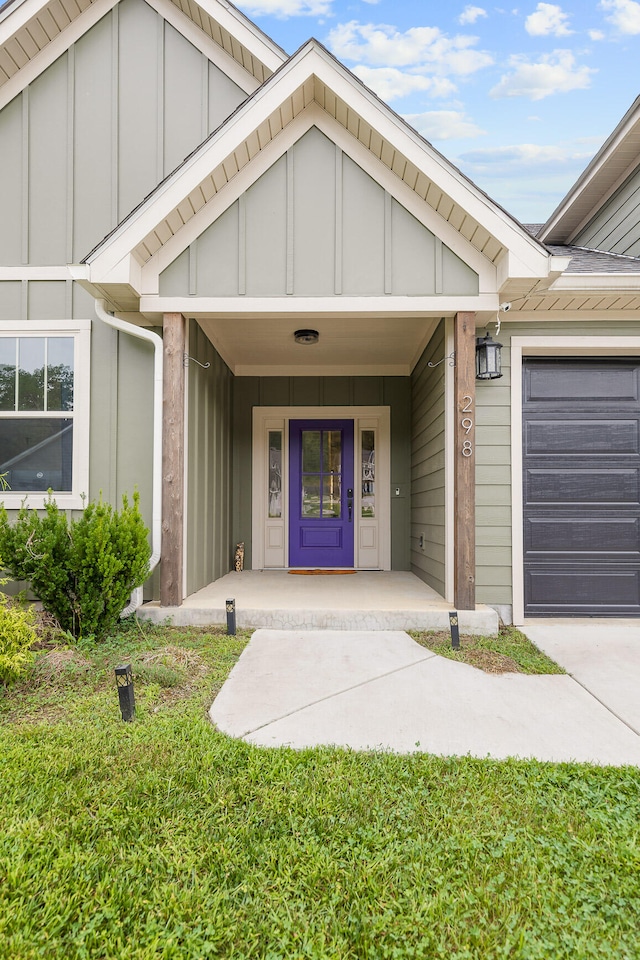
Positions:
(518, 97)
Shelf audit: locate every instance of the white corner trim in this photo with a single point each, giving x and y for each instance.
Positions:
(550, 346)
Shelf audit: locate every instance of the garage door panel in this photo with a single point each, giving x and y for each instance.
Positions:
(573, 538)
(586, 591)
(562, 485)
(613, 381)
(605, 437)
(581, 486)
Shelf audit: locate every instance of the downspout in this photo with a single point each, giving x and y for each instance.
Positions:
(156, 506)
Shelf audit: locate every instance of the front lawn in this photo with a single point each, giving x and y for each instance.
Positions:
(163, 838)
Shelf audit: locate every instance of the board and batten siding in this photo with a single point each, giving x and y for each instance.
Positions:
(87, 140)
(315, 224)
(394, 392)
(428, 510)
(493, 455)
(209, 486)
(616, 226)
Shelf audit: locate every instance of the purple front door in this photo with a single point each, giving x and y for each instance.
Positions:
(321, 507)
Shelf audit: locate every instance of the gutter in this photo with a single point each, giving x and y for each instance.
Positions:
(156, 507)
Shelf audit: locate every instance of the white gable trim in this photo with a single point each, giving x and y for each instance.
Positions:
(251, 39)
(314, 116)
(297, 82)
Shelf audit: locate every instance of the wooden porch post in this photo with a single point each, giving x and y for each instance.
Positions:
(465, 462)
(172, 460)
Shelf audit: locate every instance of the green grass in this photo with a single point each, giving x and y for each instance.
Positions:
(510, 643)
(162, 838)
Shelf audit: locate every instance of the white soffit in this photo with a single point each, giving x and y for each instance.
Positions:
(33, 34)
(313, 79)
(613, 163)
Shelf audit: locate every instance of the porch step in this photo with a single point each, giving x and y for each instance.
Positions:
(483, 620)
(368, 600)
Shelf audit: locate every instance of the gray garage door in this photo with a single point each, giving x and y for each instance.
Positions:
(581, 453)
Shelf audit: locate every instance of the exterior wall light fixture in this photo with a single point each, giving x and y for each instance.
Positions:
(306, 336)
(488, 358)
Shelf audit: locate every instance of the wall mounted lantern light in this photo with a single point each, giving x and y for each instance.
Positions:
(488, 358)
(306, 336)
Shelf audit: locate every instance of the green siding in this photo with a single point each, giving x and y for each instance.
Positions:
(315, 224)
(209, 491)
(250, 392)
(88, 139)
(428, 510)
(616, 227)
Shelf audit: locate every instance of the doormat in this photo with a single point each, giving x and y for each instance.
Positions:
(320, 573)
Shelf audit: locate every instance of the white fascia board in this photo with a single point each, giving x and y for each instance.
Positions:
(245, 32)
(595, 282)
(38, 273)
(310, 117)
(596, 165)
(208, 47)
(317, 307)
(59, 45)
(16, 16)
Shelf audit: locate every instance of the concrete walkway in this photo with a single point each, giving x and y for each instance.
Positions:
(381, 690)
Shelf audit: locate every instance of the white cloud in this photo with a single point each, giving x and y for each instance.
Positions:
(596, 35)
(555, 72)
(523, 155)
(471, 14)
(444, 125)
(372, 2)
(287, 8)
(625, 15)
(548, 20)
(423, 48)
(391, 84)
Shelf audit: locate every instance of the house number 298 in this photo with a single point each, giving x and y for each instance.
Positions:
(467, 425)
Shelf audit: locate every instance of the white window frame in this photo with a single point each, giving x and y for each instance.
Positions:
(80, 330)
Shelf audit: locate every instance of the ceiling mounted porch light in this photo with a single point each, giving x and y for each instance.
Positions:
(488, 358)
(306, 336)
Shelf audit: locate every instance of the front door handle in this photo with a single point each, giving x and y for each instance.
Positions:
(350, 502)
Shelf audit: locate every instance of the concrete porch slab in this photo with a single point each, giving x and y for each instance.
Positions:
(365, 600)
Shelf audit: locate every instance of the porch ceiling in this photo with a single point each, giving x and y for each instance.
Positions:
(348, 346)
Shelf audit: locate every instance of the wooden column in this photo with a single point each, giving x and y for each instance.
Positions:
(464, 470)
(173, 326)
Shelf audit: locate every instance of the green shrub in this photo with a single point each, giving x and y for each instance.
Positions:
(16, 639)
(83, 570)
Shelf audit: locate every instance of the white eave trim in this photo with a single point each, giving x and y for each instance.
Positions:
(595, 282)
(318, 307)
(593, 169)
